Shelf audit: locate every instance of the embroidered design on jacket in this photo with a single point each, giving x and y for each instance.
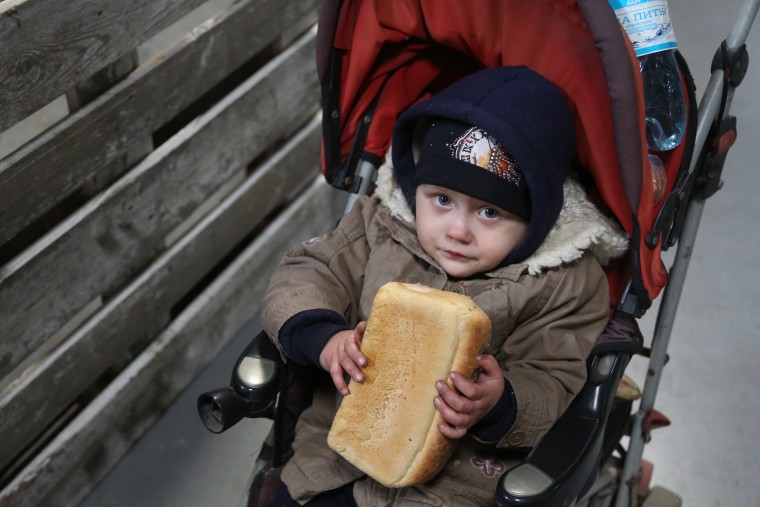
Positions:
(488, 466)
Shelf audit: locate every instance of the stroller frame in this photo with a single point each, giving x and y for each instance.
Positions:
(713, 112)
(687, 202)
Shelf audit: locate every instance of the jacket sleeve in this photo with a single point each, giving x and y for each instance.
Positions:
(317, 286)
(544, 359)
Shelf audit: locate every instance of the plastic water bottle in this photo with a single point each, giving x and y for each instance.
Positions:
(648, 25)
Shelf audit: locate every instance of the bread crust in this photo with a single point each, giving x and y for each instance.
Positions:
(388, 426)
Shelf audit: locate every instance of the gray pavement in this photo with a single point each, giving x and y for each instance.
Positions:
(178, 463)
(708, 455)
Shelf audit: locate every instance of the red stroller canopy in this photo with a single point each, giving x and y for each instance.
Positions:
(378, 57)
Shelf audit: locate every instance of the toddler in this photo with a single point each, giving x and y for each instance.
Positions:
(474, 199)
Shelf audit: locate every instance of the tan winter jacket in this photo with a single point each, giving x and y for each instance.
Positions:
(546, 313)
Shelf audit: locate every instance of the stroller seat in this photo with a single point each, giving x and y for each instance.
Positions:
(557, 471)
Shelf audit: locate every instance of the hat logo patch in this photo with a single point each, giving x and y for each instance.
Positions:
(479, 148)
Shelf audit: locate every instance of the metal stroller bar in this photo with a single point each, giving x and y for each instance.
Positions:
(367, 172)
(709, 108)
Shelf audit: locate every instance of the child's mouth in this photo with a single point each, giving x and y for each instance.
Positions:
(455, 255)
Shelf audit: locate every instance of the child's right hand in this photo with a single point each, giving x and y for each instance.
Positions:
(341, 353)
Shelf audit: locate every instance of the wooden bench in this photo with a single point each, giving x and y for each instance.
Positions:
(138, 231)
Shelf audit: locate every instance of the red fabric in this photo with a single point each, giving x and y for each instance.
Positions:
(412, 48)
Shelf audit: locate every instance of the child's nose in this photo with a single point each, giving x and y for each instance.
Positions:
(459, 229)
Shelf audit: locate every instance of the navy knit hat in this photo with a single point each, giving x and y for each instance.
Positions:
(526, 114)
(469, 160)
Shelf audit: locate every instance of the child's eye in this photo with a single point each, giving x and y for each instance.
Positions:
(442, 200)
(489, 213)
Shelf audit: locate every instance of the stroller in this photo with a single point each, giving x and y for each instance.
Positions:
(405, 54)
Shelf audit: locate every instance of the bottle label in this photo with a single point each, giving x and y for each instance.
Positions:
(647, 23)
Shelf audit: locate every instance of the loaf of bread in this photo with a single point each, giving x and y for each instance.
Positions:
(388, 426)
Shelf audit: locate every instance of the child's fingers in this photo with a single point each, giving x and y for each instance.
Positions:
(454, 424)
(490, 366)
(354, 353)
(336, 372)
(464, 386)
(453, 432)
(453, 399)
(352, 369)
(360, 328)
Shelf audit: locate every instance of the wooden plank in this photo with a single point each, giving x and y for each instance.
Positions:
(112, 237)
(115, 123)
(86, 92)
(101, 434)
(91, 88)
(48, 46)
(141, 310)
(46, 213)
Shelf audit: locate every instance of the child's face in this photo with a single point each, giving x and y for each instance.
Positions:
(464, 235)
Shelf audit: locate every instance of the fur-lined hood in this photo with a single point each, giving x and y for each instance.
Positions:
(580, 227)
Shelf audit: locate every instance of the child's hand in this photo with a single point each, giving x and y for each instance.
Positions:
(461, 410)
(341, 353)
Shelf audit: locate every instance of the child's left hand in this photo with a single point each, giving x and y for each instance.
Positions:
(461, 410)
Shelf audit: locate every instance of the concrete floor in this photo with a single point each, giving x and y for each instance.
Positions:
(708, 455)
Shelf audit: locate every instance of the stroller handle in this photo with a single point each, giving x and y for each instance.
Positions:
(746, 16)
